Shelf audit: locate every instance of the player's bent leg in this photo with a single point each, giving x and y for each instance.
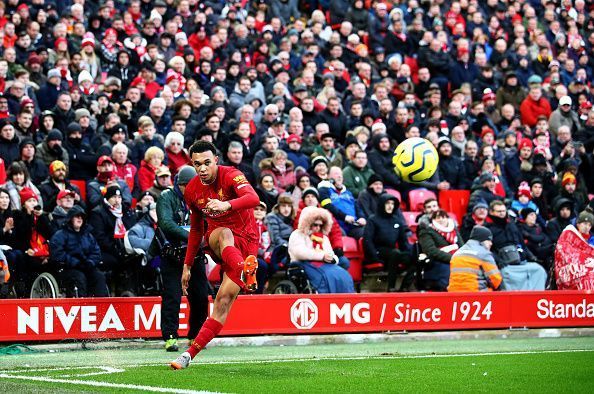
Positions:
(213, 325)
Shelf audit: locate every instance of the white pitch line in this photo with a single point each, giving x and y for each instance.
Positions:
(334, 358)
(105, 384)
(104, 371)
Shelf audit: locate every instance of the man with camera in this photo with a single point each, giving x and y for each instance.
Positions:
(170, 242)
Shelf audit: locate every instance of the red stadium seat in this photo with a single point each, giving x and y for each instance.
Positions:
(355, 255)
(369, 266)
(82, 186)
(453, 216)
(455, 201)
(417, 197)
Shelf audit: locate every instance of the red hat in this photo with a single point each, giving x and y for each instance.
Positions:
(110, 31)
(525, 143)
(488, 95)
(65, 193)
(60, 40)
(567, 178)
(34, 59)
(293, 138)
(487, 130)
(586, 105)
(22, 7)
(137, 81)
(26, 101)
(26, 194)
(171, 75)
(103, 159)
(88, 41)
(524, 190)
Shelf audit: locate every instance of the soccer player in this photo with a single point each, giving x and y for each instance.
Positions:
(223, 198)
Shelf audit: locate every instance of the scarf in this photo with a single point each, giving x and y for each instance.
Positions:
(318, 240)
(105, 176)
(120, 230)
(448, 232)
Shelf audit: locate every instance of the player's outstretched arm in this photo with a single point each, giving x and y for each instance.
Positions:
(246, 195)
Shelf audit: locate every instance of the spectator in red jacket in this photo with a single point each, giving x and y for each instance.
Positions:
(153, 159)
(535, 104)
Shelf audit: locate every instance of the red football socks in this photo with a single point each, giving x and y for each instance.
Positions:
(232, 256)
(209, 330)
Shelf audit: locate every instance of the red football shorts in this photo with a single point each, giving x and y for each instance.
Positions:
(234, 272)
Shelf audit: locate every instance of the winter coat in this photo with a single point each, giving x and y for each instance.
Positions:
(340, 203)
(461, 72)
(300, 245)
(76, 249)
(335, 234)
(95, 197)
(299, 159)
(24, 224)
(15, 198)
(286, 11)
(385, 231)
(381, 163)
(561, 118)
(9, 150)
(337, 123)
(47, 155)
(82, 160)
(556, 225)
(451, 170)
(282, 180)
(356, 179)
(142, 233)
(38, 170)
(530, 110)
(510, 95)
(368, 201)
(103, 223)
(49, 192)
(140, 146)
(279, 228)
(172, 214)
(176, 160)
(431, 243)
(506, 233)
(146, 175)
(58, 218)
(535, 238)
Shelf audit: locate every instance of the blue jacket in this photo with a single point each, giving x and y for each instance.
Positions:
(340, 203)
(77, 249)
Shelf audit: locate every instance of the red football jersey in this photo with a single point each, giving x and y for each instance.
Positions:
(230, 185)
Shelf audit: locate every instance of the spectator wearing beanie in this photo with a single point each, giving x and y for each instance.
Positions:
(81, 157)
(380, 161)
(56, 183)
(294, 152)
(584, 224)
(36, 167)
(110, 219)
(523, 200)
(564, 213)
(51, 148)
(48, 93)
(536, 238)
(511, 92)
(478, 215)
(117, 134)
(357, 173)
(451, 170)
(473, 267)
(9, 142)
(517, 167)
(368, 198)
(568, 189)
(485, 192)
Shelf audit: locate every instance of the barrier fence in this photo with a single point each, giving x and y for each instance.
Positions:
(29, 320)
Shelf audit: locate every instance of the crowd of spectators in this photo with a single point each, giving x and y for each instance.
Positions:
(100, 99)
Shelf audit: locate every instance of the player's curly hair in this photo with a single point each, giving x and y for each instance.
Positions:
(203, 146)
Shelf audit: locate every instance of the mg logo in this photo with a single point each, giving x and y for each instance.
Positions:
(304, 314)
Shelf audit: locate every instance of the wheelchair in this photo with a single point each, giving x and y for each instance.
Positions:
(295, 282)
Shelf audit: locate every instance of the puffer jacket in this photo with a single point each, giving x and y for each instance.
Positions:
(142, 233)
(385, 230)
(76, 249)
(282, 179)
(47, 155)
(279, 227)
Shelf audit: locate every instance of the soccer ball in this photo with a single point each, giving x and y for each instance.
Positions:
(415, 160)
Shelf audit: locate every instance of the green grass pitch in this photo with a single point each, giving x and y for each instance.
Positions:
(563, 365)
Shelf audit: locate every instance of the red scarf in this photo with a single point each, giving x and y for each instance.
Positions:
(318, 240)
(449, 233)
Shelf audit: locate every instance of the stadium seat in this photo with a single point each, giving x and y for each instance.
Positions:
(82, 186)
(411, 222)
(417, 197)
(455, 201)
(397, 194)
(369, 266)
(355, 255)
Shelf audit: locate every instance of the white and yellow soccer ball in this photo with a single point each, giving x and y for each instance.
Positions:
(415, 160)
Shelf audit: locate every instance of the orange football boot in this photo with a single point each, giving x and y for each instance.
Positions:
(250, 266)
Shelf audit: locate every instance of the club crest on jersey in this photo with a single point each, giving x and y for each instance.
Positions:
(239, 179)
